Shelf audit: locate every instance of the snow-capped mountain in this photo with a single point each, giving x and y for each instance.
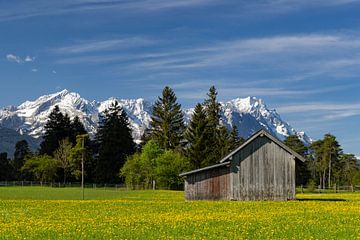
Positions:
(248, 114)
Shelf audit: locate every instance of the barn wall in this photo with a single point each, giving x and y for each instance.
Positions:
(262, 171)
(211, 184)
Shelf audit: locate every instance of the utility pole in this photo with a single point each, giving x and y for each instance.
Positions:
(82, 166)
(82, 163)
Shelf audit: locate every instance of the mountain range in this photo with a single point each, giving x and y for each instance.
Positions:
(28, 119)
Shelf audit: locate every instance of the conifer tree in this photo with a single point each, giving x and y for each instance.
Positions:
(77, 128)
(115, 143)
(5, 167)
(331, 153)
(57, 128)
(301, 169)
(21, 151)
(223, 142)
(235, 139)
(196, 136)
(215, 133)
(167, 121)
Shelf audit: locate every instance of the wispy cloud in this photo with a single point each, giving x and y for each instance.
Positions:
(323, 110)
(13, 10)
(13, 58)
(233, 92)
(102, 45)
(20, 10)
(314, 53)
(286, 6)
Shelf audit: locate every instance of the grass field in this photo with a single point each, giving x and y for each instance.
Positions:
(52, 213)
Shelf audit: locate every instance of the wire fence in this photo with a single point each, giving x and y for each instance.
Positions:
(122, 186)
(333, 189)
(63, 185)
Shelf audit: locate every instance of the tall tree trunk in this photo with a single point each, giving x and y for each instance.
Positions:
(324, 179)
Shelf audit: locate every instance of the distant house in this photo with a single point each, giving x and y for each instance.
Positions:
(263, 168)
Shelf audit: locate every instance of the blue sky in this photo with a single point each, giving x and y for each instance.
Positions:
(301, 57)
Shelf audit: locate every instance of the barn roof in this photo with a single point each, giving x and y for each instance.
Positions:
(265, 133)
(261, 133)
(204, 168)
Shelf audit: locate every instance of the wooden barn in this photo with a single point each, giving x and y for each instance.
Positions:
(263, 168)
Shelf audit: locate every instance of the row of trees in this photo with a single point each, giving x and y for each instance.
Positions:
(171, 148)
(326, 165)
(168, 148)
(66, 143)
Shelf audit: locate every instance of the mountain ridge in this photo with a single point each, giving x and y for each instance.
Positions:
(248, 114)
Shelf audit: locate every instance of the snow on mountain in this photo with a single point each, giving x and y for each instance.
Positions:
(248, 114)
(251, 114)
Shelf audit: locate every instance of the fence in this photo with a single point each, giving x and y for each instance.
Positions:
(62, 185)
(334, 189)
(105, 186)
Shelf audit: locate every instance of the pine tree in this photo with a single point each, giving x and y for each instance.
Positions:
(215, 133)
(196, 136)
(235, 139)
(167, 121)
(5, 167)
(331, 152)
(301, 169)
(77, 128)
(223, 142)
(57, 128)
(115, 143)
(21, 151)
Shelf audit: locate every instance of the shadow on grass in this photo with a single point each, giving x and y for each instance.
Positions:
(322, 199)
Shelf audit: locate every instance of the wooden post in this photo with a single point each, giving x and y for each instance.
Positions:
(82, 168)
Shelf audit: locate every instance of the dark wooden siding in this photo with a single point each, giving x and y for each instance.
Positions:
(262, 171)
(211, 184)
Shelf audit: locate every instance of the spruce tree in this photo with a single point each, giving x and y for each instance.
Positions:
(167, 121)
(77, 128)
(5, 168)
(215, 133)
(196, 136)
(21, 151)
(301, 169)
(115, 143)
(57, 128)
(235, 139)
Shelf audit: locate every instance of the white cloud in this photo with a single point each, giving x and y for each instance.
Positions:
(53, 71)
(29, 59)
(34, 70)
(319, 111)
(27, 9)
(13, 58)
(101, 45)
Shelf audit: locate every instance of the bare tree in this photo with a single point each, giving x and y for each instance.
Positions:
(62, 155)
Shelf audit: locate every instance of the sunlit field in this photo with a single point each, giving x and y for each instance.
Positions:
(53, 213)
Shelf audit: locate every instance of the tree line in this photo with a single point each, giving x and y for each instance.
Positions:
(326, 164)
(167, 148)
